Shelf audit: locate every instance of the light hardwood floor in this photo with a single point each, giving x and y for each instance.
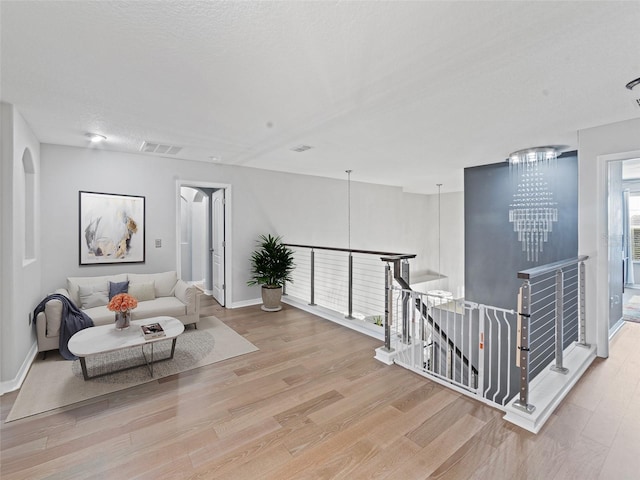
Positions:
(314, 404)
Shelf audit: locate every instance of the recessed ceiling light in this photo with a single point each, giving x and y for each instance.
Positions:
(213, 158)
(96, 137)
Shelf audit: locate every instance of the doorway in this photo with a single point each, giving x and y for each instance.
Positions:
(631, 238)
(623, 223)
(203, 236)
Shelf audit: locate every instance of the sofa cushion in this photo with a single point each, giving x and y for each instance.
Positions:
(101, 315)
(169, 306)
(165, 283)
(73, 283)
(93, 295)
(143, 291)
(118, 287)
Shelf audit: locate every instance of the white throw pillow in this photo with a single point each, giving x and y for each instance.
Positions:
(143, 291)
(93, 295)
(73, 284)
(165, 282)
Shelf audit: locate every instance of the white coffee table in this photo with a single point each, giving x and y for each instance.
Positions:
(105, 338)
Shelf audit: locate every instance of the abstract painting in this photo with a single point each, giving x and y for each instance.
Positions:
(111, 228)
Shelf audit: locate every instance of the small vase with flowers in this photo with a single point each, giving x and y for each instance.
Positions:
(122, 304)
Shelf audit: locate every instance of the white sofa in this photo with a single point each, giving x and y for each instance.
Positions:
(157, 293)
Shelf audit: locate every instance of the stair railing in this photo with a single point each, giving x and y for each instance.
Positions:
(463, 345)
(551, 317)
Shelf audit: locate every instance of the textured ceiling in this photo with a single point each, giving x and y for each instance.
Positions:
(402, 93)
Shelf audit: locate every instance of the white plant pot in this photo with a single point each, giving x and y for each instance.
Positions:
(271, 299)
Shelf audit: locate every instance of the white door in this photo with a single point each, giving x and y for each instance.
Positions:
(217, 245)
(615, 244)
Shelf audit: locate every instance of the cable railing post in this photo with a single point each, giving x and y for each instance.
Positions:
(313, 279)
(404, 274)
(388, 306)
(417, 332)
(423, 343)
(522, 360)
(405, 270)
(582, 320)
(558, 367)
(350, 292)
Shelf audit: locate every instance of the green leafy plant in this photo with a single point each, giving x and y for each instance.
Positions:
(272, 263)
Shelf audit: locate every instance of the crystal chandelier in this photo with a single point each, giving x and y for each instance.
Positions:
(533, 211)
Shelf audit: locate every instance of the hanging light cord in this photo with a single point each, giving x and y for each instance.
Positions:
(439, 251)
(349, 207)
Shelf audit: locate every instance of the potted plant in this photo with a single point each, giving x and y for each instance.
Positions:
(271, 266)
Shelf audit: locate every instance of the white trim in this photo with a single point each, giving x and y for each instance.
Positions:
(616, 328)
(246, 303)
(335, 317)
(16, 382)
(228, 231)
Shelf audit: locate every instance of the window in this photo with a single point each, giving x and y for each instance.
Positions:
(634, 225)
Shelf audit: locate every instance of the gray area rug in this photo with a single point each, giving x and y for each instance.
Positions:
(191, 347)
(631, 311)
(56, 383)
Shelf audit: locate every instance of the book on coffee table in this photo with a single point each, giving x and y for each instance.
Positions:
(152, 330)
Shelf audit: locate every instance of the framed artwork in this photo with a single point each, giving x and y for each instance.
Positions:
(111, 228)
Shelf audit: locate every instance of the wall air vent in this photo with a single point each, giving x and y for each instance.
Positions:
(159, 148)
(301, 148)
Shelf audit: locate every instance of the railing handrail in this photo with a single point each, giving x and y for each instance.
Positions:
(352, 250)
(550, 267)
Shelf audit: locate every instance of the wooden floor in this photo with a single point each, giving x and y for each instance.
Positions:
(313, 403)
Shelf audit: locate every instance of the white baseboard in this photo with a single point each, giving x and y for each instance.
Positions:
(16, 382)
(246, 303)
(357, 325)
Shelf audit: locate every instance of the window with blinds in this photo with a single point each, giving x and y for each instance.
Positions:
(634, 224)
(636, 243)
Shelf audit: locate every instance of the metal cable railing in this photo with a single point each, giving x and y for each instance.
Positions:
(469, 347)
(348, 281)
(551, 317)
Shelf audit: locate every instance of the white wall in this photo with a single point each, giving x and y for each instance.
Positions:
(21, 280)
(302, 209)
(597, 146)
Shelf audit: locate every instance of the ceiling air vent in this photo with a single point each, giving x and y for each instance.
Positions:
(301, 148)
(159, 148)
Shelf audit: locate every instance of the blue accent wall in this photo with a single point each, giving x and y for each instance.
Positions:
(493, 254)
